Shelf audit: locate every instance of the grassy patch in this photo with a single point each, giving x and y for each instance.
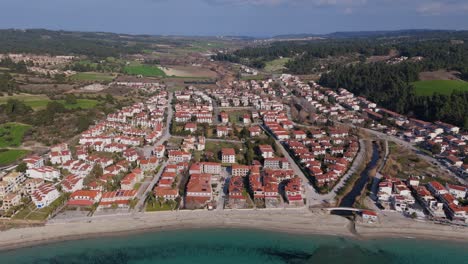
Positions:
(428, 88)
(237, 116)
(137, 186)
(276, 65)
(92, 76)
(38, 102)
(11, 134)
(34, 101)
(8, 156)
(164, 206)
(145, 70)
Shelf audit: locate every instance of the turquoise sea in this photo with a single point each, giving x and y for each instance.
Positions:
(238, 246)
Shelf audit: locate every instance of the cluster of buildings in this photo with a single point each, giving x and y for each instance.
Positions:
(193, 106)
(344, 106)
(440, 203)
(325, 156)
(104, 169)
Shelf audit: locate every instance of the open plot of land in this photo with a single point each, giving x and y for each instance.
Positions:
(92, 76)
(144, 70)
(428, 88)
(216, 146)
(237, 116)
(439, 75)
(11, 134)
(403, 163)
(276, 65)
(188, 72)
(8, 156)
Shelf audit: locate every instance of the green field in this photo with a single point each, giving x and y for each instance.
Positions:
(92, 76)
(38, 102)
(8, 156)
(34, 101)
(145, 70)
(11, 134)
(276, 65)
(446, 87)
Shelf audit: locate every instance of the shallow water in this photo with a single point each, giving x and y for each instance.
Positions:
(238, 246)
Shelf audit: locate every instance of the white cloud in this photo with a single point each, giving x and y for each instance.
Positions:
(291, 2)
(442, 7)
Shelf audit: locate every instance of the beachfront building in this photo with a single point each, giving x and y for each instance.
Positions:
(45, 195)
(84, 198)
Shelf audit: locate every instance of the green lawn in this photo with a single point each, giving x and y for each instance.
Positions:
(428, 88)
(145, 70)
(8, 156)
(92, 76)
(11, 134)
(165, 206)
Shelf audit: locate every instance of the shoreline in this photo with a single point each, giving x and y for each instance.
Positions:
(294, 222)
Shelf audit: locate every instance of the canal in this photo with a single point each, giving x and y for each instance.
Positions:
(350, 198)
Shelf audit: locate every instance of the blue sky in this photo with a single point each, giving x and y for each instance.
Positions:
(233, 17)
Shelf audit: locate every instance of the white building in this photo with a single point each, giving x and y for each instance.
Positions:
(45, 195)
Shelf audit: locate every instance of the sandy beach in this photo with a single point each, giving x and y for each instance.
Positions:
(300, 221)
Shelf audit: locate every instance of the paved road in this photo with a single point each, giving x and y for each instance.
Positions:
(310, 192)
(148, 187)
(215, 111)
(215, 140)
(167, 131)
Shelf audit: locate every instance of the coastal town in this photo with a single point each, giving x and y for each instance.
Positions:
(237, 146)
(234, 131)
(250, 146)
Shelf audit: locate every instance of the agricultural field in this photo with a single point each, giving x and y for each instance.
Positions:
(92, 76)
(145, 70)
(11, 134)
(8, 156)
(276, 65)
(446, 87)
